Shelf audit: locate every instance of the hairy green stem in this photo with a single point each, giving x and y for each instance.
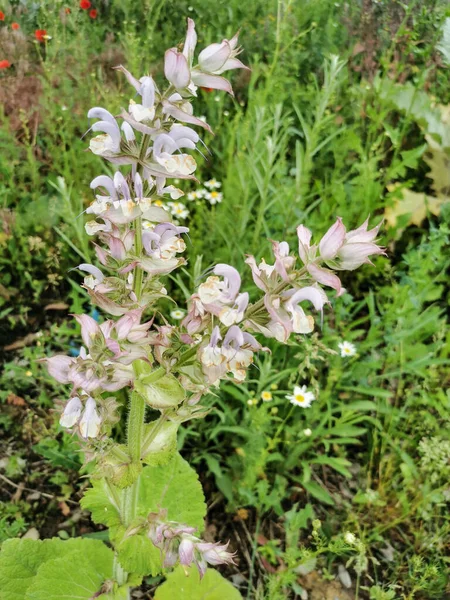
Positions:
(136, 418)
(138, 275)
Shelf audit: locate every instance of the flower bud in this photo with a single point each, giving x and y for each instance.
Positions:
(71, 412)
(186, 551)
(176, 69)
(332, 240)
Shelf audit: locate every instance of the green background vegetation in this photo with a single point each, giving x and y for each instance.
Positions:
(345, 112)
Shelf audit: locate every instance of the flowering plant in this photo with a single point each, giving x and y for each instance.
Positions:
(143, 491)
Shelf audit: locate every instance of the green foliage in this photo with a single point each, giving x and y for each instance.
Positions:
(176, 488)
(138, 555)
(187, 585)
(173, 486)
(342, 104)
(53, 569)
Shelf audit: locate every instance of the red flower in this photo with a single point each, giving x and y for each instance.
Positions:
(93, 13)
(40, 34)
(205, 89)
(2, 16)
(15, 26)
(4, 64)
(85, 4)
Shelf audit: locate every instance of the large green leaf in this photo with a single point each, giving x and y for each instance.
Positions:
(138, 554)
(190, 587)
(103, 500)
(30, 569)
(78, 576)
(175, 487)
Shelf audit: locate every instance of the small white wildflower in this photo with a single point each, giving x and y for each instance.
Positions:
(178, 209)
(226, 113)
(266, 396)
(347, 349)
(217, 98)
(177, 314)
(301, 396)
(63, 107)
(203, 118)
(195, 195)
(307, 432)
(214, 197)
(350, 538)
(213, 184)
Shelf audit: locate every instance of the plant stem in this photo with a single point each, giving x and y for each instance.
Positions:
(136, 418)
(138, 275)
(252, 565)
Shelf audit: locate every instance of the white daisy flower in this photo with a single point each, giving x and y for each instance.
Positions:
(301, 396)
(266, 396)
(178, 210)
(307, 432)
(347, 349)
(195, 195)
(177, 314)
(214, 197)
(213, 184)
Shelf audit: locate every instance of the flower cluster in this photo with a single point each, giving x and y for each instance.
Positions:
(138, 241)
(210, 192)
(103, 364)
(178, 544)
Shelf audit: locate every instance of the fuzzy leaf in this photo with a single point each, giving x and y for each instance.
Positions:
(137, 554)
(190, 587)
(78, 576)
(163, 393)
(103, 500)
(175, 487)
(22, 561)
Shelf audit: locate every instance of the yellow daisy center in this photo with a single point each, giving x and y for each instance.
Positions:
(299, 398)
